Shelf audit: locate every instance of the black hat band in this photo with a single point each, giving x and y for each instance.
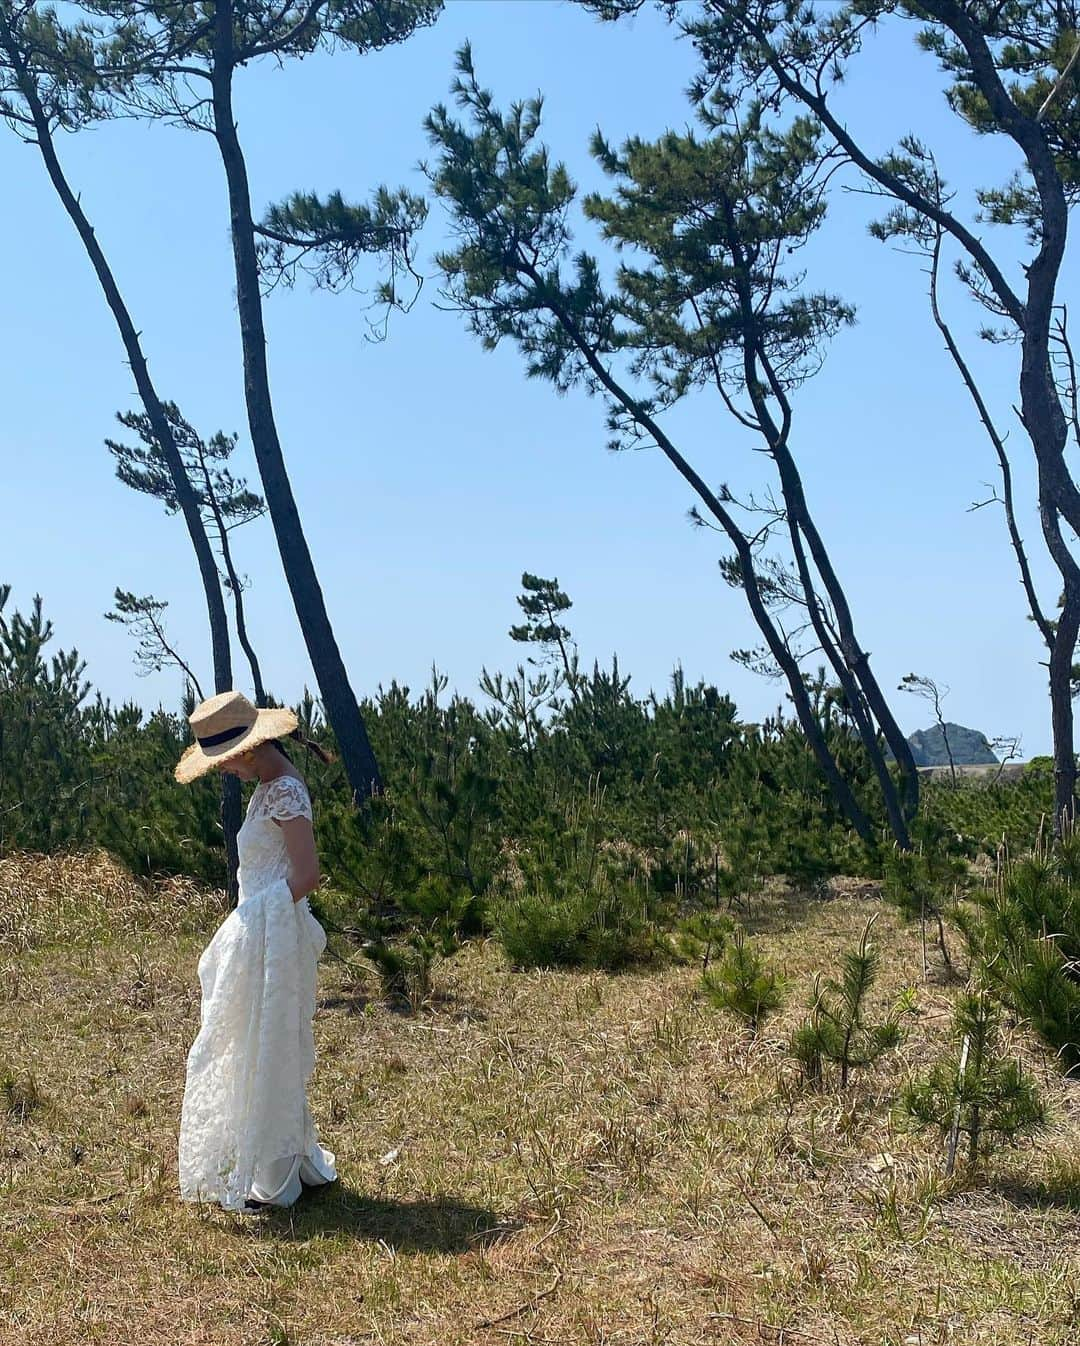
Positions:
(212, 740)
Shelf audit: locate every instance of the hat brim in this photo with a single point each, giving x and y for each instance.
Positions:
(270, 723)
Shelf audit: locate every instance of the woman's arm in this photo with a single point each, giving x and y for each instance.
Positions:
(303, 858)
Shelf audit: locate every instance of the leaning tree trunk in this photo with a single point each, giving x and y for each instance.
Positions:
(1061, 706)
(1042, 415)
(241, 621)
(219, 630)
(1047, 427)
(1060, 662)
(850, 662)
(778, 647)
(234, 583)
(858, 707)
(338, 698)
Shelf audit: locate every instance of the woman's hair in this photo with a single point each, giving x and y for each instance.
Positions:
(319, 751)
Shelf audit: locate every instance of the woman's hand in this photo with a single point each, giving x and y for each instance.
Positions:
(303, 858)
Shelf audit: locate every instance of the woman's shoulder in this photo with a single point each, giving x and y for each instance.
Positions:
(287, 796)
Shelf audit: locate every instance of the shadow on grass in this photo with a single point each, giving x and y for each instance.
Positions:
(432, 1225)
(777, 912)
(352, 1002)
(443, 1003)
(1063, 1193)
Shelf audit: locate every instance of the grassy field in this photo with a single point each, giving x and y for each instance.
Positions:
(533, 1158)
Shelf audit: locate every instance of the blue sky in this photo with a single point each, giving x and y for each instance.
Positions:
(429, 473)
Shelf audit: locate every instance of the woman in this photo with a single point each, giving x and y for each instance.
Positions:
(247, 1137)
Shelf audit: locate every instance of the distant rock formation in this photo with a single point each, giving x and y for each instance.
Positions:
(968, 747)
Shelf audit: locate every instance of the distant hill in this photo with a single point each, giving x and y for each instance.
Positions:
(969, 747)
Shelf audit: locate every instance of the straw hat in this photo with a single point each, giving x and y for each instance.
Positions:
(226, 726)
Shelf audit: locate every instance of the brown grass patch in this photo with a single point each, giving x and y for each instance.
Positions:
(539, 1157)
(76, 899)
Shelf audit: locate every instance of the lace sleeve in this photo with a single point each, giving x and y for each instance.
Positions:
(287, 797)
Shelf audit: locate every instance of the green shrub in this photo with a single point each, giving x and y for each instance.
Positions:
(743, 983)
(401, 918)
(702, 936)
(923, 884)
(1023, 936)
(583, 929)
(980, 815)
(838, 1031)
(975, 1092)
(708, 806)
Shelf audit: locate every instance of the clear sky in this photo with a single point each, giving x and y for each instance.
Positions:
(429, 473)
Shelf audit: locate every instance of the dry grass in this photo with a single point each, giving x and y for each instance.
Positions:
(537, 1158)
(84, 899)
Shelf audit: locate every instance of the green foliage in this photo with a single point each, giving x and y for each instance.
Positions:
(1034, 46)
(838, 1030)
(618, 828)
(1023, 936)
(141, 814)
(439, 766)
(716, 220)
(404, 948)
(982, 815)
(144, 618)
(702, 936)
(711, 804)
(401, 916)
(743, 983)
(976, 1091)
(576, 926)
(574, 895)
(45, 771)
(704, 295)
(221, 496)
(923, 884)
(80, 772)
(543, 603)
(329, 238)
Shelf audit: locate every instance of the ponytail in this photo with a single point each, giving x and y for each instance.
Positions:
(320, 752)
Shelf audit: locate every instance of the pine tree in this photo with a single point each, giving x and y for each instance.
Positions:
(976, 1092)
(1012, 73)
(45, 770)
(180, 62)
(922, 884)
(838, 1030)
(144, 619)
(716, 221)
(49, 82)
(543, 603)
(1023, 934)
(224, 500)
(743, 983)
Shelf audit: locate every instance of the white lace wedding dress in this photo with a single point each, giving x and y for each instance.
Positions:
(246, 1131)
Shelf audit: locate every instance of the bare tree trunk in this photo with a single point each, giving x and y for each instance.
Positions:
(241, 622)
(189, 506)
(841, 791)
(1062, 642)
(1060, 638)
(1061, 709)
(858, 662)
(854, 695)
(567, 670)
(234, 579)
(338, 698)
(850, 662)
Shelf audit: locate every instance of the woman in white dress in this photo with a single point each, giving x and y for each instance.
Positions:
(247, 1137)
